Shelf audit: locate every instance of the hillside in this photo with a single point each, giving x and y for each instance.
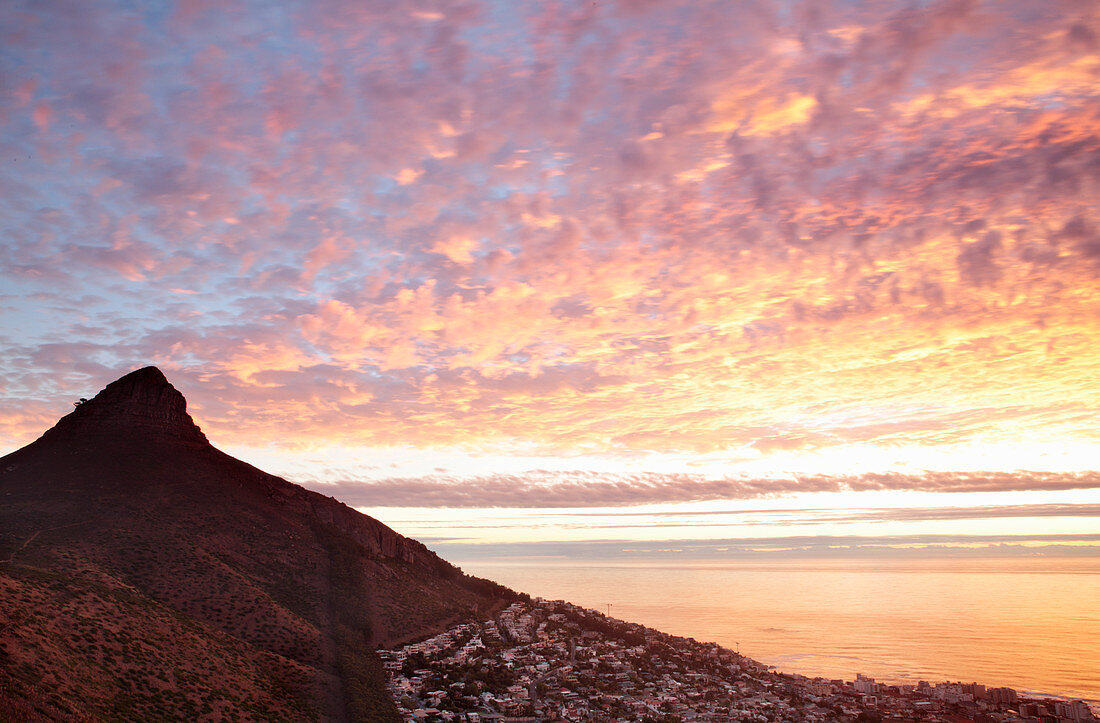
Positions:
(144, 574)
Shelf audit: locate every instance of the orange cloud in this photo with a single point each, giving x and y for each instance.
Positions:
(865, 232)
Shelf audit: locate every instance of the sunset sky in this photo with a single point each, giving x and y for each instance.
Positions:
(580, 278)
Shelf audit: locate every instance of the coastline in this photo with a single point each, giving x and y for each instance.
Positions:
(959, 630)
(550, 660)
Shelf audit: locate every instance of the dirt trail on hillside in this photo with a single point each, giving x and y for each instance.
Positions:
(36, 533)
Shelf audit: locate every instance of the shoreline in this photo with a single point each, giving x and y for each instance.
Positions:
(880, 628)
(550, 660)
(1093, 699)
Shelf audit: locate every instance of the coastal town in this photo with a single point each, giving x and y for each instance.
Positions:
(541, 660)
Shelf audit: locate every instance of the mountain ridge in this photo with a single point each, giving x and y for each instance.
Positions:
(125, 504)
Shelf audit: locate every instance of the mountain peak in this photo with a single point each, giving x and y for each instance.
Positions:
(142, 402)
(145, 376)
(169, 551)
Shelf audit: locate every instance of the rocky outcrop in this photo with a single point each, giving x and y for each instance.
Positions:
(141, 404)
(376, 537)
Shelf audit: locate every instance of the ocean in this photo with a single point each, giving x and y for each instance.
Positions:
(1032, 624)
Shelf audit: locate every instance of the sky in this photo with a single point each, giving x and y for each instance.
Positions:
(568, 279)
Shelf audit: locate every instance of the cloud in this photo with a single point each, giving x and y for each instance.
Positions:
(610, 229)
(897, 550)
(827, 516)
(544, 489)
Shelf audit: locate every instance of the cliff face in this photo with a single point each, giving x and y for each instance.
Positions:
(145, 574)
(141, 404)
(376, 537)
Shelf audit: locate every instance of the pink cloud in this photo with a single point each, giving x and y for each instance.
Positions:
(541, 489)
(43, 114)
(625, 226)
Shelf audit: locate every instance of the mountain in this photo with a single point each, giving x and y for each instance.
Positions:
(146, 575)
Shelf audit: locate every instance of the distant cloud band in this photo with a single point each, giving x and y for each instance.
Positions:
(540, 489)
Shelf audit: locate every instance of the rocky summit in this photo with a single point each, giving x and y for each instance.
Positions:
(141, 404)
(146, 575)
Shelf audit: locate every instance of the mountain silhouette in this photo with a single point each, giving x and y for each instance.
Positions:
(145, 574)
